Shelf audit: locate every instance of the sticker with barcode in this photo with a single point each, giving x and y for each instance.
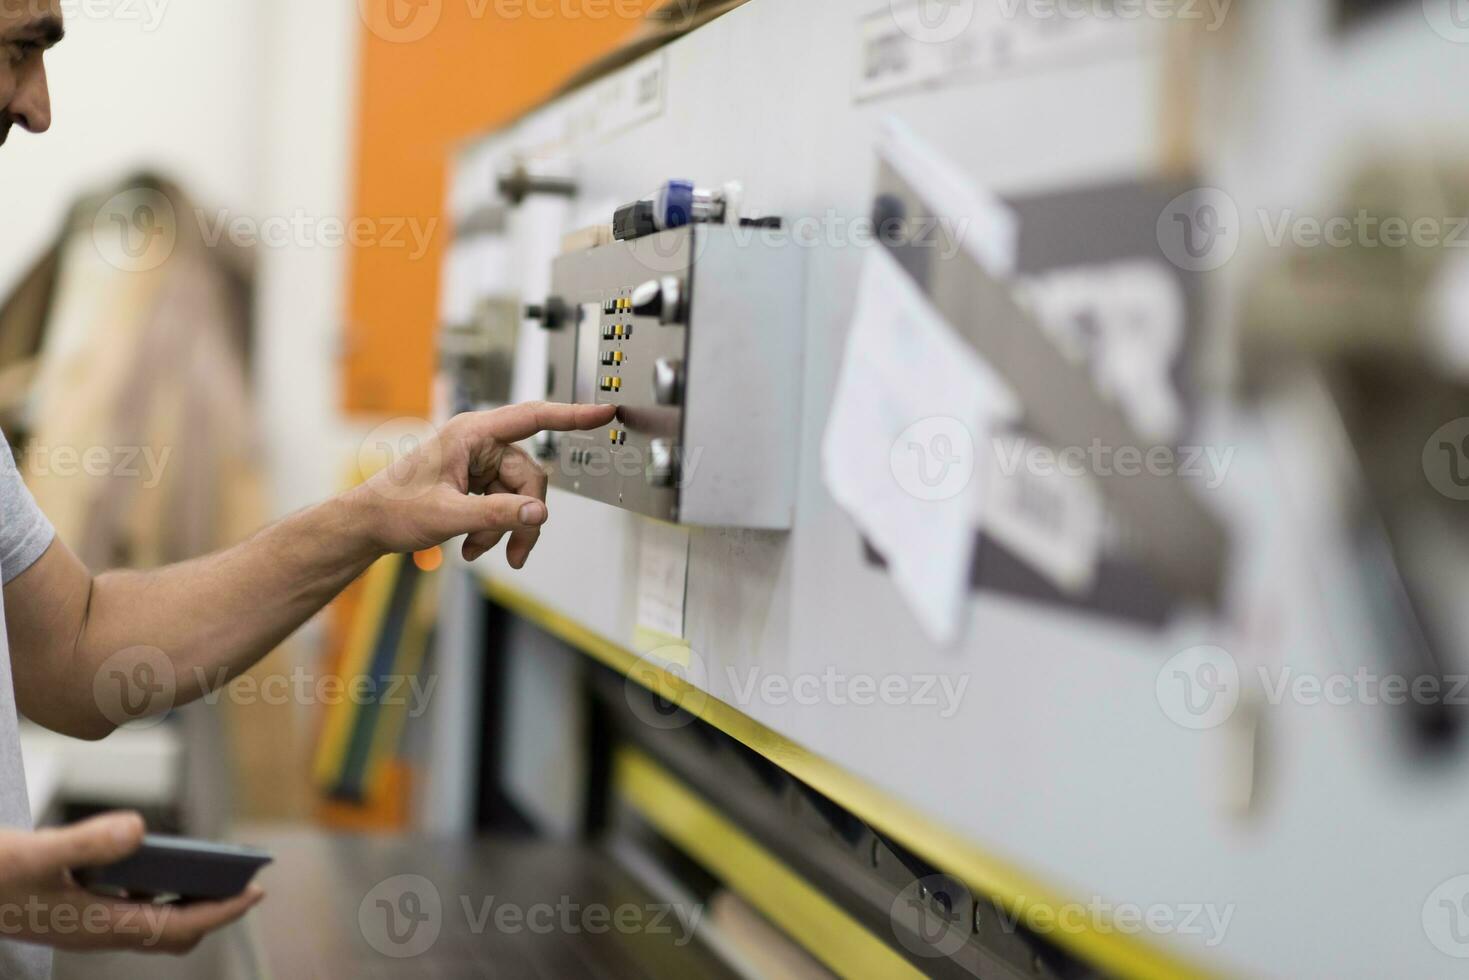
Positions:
(1050, 515)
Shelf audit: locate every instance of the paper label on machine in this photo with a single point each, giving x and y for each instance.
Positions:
(663, 573)
(911, 43)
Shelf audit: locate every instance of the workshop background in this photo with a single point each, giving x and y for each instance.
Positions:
(271, 127)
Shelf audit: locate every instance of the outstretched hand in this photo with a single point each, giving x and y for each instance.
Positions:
(471, 479)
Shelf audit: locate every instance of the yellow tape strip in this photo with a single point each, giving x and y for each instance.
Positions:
(729, 854)
(1117, 952)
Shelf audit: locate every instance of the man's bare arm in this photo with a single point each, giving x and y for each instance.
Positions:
(214, 617)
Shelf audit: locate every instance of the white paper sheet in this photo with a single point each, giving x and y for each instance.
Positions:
(913, 408)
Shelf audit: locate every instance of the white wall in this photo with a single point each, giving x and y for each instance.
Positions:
(308, 97)
(176, 88)
(250, 103)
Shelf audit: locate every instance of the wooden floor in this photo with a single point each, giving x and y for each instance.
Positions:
(359, 908)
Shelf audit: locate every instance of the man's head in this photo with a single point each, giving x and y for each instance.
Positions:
(28, 29)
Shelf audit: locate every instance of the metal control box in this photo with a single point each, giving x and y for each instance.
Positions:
(696, 335)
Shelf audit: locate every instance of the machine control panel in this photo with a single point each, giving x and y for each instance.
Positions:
(694, 333)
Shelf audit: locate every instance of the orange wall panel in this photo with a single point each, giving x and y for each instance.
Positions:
(434, 72)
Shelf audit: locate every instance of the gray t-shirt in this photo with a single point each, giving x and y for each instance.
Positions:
(25, 534)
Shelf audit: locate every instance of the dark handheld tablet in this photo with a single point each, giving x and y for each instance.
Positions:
(177, 868)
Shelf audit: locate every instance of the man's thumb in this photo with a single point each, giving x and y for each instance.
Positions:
(101, 840)
(500, 512)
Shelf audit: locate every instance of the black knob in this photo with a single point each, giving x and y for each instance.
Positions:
(633, 221)
(552, 313)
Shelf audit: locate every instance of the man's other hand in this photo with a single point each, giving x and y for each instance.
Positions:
(471, 479)
(41, 903)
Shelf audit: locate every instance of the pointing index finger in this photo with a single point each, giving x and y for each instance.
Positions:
(516, 422)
